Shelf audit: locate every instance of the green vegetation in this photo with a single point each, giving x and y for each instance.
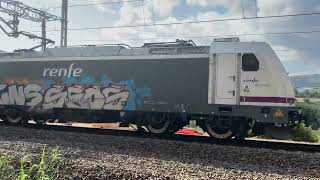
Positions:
(250, 133)
(193, 125)
(309, 94)
(308, 130)
(46, 169)
(311, 113)
(7, 170)
(303, 133)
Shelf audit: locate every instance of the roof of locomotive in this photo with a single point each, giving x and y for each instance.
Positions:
(123, 50)
(98, 51)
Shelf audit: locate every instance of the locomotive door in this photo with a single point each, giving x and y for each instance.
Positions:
(226, 79)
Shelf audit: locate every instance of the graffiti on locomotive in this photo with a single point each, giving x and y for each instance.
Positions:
(83, 96)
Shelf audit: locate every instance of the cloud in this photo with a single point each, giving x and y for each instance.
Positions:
(164, 8)
(41, 3)
(198, 2)
(107, 8)
(289, 54)
(296, 47)
(234, 8)
(292, 46)
(204, 3)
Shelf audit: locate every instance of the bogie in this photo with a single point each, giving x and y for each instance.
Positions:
(13, 115)
(218, 127)
(158, 123)
(224, 127)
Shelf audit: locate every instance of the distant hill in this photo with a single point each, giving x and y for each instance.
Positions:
(306, 81)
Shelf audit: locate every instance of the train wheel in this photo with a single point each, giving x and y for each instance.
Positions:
(216, 130)
(159, 124)
(13, 116)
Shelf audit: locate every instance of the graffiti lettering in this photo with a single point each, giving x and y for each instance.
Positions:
(14, 94)
(112, 97)
(54, 97)
(75, 98)
(116, 97)
(33, 95)
(95, 97)
(4, 96)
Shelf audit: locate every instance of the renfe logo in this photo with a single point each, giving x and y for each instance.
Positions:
(62, 72)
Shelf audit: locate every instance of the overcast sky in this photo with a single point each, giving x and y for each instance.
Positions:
(300, 53)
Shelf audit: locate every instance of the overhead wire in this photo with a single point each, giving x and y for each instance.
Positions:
(144, 18)
(190, 22)
(205, 36)
(153, 13)
(242, 5)
(94, 4)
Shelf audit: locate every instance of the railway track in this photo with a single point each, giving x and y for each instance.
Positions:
(275, 145)
(114, 154)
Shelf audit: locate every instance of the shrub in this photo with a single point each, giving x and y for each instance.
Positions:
(311, 114)
(47, 168)
(306, 100)
(303, 133)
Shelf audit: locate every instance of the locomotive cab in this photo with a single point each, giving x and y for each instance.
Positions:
(250, 75)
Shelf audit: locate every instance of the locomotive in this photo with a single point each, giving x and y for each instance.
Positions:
(227, 86)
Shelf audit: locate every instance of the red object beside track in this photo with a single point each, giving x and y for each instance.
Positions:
(187, 131)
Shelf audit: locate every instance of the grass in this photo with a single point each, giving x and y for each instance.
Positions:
(7, 170)
(307, 134)
(47, 168)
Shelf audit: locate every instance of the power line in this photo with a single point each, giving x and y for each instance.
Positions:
(153, 14)
(205, 36)
(94, 4)
(278, 50)
(192, 22)
(242, 5)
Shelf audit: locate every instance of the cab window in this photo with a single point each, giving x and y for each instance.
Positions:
(250, 62)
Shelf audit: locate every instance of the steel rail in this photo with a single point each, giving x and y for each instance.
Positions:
(274, 145)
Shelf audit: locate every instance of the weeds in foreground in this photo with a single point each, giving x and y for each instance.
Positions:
(7, 171)
(46, 169)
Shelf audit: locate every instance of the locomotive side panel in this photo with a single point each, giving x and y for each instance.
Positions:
(164, 85)
(161, 88)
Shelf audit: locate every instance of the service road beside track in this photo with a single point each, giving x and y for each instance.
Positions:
(90, 156)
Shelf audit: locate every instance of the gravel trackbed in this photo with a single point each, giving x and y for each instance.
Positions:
(89, 156)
